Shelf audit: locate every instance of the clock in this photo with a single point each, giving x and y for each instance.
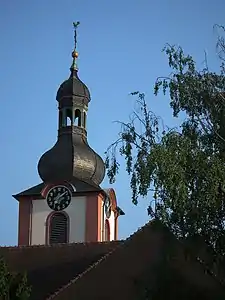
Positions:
(59, 197)
(107, 207)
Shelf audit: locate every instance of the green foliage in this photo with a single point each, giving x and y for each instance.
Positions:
(12, 286)
(184, 169)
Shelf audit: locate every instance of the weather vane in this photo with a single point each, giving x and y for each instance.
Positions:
(75, 53)
(75, 25)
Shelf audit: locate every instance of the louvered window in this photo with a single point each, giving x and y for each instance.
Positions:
(58, 228)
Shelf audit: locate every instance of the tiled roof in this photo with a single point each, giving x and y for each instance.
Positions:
(111, 270)
(50, 267)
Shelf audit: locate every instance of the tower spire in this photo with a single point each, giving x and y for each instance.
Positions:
(71, 158)
(75, 53)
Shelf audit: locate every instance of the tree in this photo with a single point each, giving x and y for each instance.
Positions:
(12, 286)
(183, 169)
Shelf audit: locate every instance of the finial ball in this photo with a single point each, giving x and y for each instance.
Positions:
(75, 54)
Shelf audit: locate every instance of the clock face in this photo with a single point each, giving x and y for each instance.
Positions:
(59, 197)
(107, 208)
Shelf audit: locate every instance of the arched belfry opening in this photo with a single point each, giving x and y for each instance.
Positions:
(58, 228)
(69, 117)
(77, 118)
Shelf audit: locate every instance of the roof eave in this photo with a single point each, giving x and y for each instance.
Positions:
(120, 211)
(16, 197)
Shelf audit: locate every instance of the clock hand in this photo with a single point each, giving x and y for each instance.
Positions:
(57, 198)
(63, 194)
(60, 196)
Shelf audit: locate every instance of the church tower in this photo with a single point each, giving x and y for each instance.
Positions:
(69, 205)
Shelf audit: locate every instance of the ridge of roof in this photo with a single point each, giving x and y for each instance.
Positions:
(66, 245)
(94, 265)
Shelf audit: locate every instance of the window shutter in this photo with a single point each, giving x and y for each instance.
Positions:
(58, 231)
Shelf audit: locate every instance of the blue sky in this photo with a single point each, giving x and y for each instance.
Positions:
(120, 46)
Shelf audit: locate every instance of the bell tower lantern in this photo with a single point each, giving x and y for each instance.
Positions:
(69, 205)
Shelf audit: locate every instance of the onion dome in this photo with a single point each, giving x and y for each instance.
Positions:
(71, 158)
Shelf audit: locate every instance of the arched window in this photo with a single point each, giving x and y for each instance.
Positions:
(77, 120)
(107, 231)
(68, 117)
(58, 228)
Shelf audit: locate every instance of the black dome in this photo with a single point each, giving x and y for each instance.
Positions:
(73, 86)
(71, 158)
